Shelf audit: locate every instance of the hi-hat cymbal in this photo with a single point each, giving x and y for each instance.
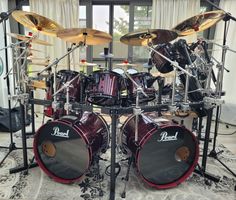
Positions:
(143, 38)
(199, 22)
(87, 35)
(37, 22)
(84, 63)
(126, 63)
(28, 38)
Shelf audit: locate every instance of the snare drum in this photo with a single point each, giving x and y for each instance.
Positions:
(165, 153)
(65, 148)
(105, 88)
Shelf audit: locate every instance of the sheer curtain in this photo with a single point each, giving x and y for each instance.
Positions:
(166, 14)
(229, 108)
(3, 85)
(66, 14)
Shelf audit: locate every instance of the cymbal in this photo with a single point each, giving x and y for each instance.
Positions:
(31, 58)
(84, 63)
(36, 22)
(126, 63)
(27, 38)
(199, 23)
(142, 38)
(38, 63)
(38, 84)
(87, 35)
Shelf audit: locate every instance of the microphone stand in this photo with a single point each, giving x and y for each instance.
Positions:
(226, 20)
(12, 146)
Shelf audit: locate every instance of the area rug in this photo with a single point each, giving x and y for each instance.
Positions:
(37, 185)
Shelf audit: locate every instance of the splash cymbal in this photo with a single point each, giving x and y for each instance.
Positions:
(28, 38)
(37, 22)
(142, 38)
(199, 22)
(87, 35)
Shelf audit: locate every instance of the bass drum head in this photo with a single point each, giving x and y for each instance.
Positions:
(61, 151)
(167, 157)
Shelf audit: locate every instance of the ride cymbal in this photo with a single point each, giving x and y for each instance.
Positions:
(142, 38)
(28, 38)
(87, 35)
(199, 22)
(37, 22)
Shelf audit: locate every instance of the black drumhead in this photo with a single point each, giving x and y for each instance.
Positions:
(168, 156)
(61, 151)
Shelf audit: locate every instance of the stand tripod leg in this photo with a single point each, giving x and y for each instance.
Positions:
(11, 147)
(126, 178)
(113, 156)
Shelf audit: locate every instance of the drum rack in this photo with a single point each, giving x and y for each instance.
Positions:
(114, 113)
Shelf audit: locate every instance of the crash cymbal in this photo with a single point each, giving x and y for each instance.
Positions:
(28, 38)
(37, 22)
(142, 38)
(199, 23)
(87, 35)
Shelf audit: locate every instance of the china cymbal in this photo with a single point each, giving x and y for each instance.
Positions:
(142, 38)
(199, 22)
(37, 22)
(87, 35)
(27, 38)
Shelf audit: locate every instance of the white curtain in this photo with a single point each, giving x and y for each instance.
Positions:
(3, 85)
(166, 14)
(229, 108)
(66, 14)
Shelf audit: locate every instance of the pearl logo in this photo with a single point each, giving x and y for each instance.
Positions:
(165, 137)
(56, 132)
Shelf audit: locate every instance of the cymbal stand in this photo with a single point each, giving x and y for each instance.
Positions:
(219, 85)
(67, 85)
(12, 145)
(55, 103)
(137, 112)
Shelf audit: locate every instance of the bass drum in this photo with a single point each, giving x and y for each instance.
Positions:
(165, 153)
(65, 148)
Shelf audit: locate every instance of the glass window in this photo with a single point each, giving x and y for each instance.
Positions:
(120, 28)
(82, 17)
(101, 23)
(82, 24)
(142, 20)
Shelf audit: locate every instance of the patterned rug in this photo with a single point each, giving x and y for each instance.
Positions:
(37, 185)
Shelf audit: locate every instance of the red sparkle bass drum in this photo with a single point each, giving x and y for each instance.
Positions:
(65, 148)
(165, 153)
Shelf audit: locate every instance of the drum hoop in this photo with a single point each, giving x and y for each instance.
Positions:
(44, 168)
(183, 177)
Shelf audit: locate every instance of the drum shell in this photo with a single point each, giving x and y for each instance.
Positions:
(147, 129)
(92, 131)
(145, 80)
(105, 88)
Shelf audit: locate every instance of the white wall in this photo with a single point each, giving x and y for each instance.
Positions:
(229, 83)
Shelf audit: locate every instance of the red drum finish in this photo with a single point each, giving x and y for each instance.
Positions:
(165, 153)
(161, 63)
(105, 88)
(65, 148)
(145, 80)
(64, 76)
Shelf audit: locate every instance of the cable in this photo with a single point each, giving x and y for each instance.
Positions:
(108, 172)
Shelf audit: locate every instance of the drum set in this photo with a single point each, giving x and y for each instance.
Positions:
(163, 151)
